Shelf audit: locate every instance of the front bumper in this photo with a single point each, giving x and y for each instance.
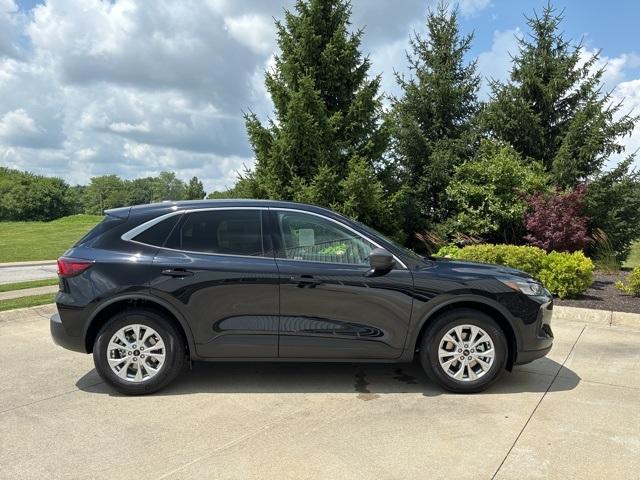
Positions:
(540, 336)
(527, 356)
(62, 338)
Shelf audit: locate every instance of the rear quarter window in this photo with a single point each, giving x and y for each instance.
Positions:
(157, 234)
(109, 222)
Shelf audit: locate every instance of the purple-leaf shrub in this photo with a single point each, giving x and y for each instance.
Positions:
(556, 221)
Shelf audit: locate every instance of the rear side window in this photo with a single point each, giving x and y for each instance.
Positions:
(158, 233)
(105, 225)
(228, 232)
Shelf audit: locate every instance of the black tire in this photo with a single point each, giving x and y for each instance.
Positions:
(435, 333)
(174, 355)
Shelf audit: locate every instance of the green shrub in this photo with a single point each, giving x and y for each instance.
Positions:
(484, 253)
(632, 287)
(448, 251)
(566, 274)
(487, 192)
(526, 258)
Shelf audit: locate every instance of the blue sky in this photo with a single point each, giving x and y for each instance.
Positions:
(90, 87)
(611, 25)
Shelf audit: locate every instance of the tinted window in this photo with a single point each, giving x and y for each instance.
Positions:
(105, 225)
(230, 232)
(312, 238)
(157, 234)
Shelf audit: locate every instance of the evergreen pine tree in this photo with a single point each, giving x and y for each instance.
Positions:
(328, 112)
(432, 122)
(552, 108)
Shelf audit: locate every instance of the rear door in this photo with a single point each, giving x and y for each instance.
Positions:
(328, 307)
(219, 270)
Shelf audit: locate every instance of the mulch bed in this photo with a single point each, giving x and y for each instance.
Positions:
(603, 295)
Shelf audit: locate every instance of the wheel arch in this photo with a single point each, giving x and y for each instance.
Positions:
(494, 311)
(121, 303)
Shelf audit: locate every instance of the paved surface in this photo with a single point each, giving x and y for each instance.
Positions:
(10, 273)
(27, 292)
(575, 414)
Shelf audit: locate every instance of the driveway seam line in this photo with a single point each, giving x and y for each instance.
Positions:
(604, 384)
(555, 377)
(48, 398)
(231, 443)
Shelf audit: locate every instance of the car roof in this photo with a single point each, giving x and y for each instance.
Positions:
(167, 206)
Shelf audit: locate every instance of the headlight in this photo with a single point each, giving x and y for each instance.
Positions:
(531, 288)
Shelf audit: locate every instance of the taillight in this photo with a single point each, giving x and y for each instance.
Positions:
(70, 267)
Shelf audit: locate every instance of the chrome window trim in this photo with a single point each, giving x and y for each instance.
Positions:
(130, 234)
(134, 232)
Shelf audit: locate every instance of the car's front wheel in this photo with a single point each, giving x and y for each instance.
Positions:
(138, 351)
(464, 351)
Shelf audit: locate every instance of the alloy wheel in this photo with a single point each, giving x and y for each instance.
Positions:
(136, 353)
(466, 353)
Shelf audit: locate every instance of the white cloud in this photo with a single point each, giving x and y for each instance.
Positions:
(18, 128)
(495, 64)
(629, 94)
(615, 67)
(111, 87)
(389, 59)
(11, 23)
(471, 7)
(17, 122)
(255, 31)
(123, 127)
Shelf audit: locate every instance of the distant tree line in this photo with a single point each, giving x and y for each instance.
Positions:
(25, 196)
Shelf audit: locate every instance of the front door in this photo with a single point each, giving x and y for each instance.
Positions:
(218, 271)
(329, 309)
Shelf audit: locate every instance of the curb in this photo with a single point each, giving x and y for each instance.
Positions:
(34, 263)
(28, 292)
(597, 317)
(44, 310)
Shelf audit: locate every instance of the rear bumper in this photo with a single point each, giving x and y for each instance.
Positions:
(62, 338)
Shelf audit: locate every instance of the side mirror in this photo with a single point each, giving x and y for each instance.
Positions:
(381, 262)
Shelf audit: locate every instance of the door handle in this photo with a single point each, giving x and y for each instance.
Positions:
(177, 272)
(305, 281)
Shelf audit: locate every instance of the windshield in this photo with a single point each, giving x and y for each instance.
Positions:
(405, 250)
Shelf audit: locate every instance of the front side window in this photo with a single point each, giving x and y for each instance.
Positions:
(315, 239)
(227, 232)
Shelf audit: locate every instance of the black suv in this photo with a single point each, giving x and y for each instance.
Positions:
(155, 285)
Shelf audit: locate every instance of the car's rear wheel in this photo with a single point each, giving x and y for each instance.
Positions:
(464, 351)
(138, 351)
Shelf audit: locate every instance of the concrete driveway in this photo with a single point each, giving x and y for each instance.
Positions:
(575, 414)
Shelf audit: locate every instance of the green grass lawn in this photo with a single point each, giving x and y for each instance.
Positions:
(10, 287)
(24, 241)
(633, 260)
(24, 302)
